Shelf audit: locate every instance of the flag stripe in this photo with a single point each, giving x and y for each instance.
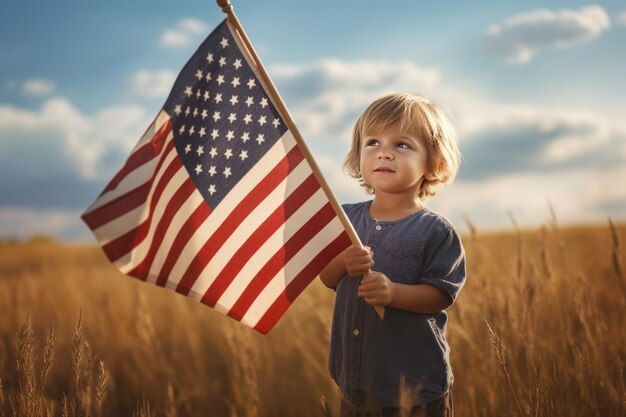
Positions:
(280, 258)
(205, 254)
(125, 202)
(277, 241)
(295, 287)
(300, 265)
(124, 244)
(258, 238)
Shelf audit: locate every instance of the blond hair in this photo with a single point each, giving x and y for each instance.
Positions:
(411, 115)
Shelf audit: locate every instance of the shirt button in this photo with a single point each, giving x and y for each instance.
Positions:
(378, 227)
(356, 332)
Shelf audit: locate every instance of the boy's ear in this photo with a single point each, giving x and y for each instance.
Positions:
(429, 176)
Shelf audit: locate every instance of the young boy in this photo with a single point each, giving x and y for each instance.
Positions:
(412, 263)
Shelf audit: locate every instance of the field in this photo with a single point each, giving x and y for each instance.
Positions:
(539, 330)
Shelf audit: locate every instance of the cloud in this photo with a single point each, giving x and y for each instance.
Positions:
(23, 222)
(38, 87)
(520, 37)
(327, 96)
(183, 33)
(153, 84)
(57, 156)
(621, 18)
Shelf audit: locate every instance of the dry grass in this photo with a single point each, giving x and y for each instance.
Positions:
(539, 330)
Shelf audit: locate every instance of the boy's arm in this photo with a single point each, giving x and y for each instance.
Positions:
(334, 271)
(355, 261)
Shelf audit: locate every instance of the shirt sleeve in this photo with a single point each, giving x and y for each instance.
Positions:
(444, 262)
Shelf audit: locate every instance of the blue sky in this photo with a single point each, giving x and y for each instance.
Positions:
(535, 89)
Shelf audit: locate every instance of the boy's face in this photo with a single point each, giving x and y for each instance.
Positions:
(392, 162)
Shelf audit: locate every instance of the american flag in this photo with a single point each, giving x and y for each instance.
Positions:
(217, 200)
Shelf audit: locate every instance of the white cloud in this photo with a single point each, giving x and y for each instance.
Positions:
(183, 33)
(518, 38)
(61, 128)
(621, 18)
(22, 222)
(38, 87)
(153, 84)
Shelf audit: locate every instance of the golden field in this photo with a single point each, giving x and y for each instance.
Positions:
(538, 330)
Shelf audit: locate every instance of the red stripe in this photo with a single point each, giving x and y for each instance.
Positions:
(243, 209)
(199, 215)
(258, 238)
(145, 153)
(125, 243)
(280, 259)
(299, 283)
(178, 198)
(126, 202)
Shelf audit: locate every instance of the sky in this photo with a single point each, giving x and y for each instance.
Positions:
(534, 89)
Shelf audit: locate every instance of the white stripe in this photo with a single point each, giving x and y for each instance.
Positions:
(250, 224)
(275, 243)
(182, 215)
(132, 180)
(278, 284)
(139, 252)
(128, 221)
(228, 204)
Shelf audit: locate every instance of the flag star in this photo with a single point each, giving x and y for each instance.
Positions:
(250, 101)
(187, 111)
(228, 153)
(251, 83)
(227, 172)
(263, 102)
(209, 58)
(208, 77)
(213, 152)
(262, 120)
(200, 150)
(199, 75)
(243, 155)
(232, 117)
(234, 100)
(187, 148)
(237, 63)
(204, 114)
(230, 135)
(215, 134)
(276, 123)
(198, 93)
(178, 110)
(212, 171)
(248, 118)
(202, 132)
(212, 189)
(206, 95)
(192, 130)
(245, 137)
(198, 169)
(218, 97)
(195, 112)
(224, 42)
(222, 61)
(235, 82)
(260, 138)
(220, 79)
(181, 130)
(188, 91)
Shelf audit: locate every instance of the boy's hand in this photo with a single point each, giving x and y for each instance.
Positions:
(377, 289)
(358, 260)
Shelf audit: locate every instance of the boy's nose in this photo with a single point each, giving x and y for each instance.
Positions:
(384, 155)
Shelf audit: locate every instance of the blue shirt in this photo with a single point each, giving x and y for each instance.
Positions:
(369, 356)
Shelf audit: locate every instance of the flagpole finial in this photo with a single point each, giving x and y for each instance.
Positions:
(225, 5)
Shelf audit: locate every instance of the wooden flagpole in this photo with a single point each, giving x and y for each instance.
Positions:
(227, 8)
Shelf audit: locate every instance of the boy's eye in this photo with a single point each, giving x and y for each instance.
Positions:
(371, 142)
(403, 145)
